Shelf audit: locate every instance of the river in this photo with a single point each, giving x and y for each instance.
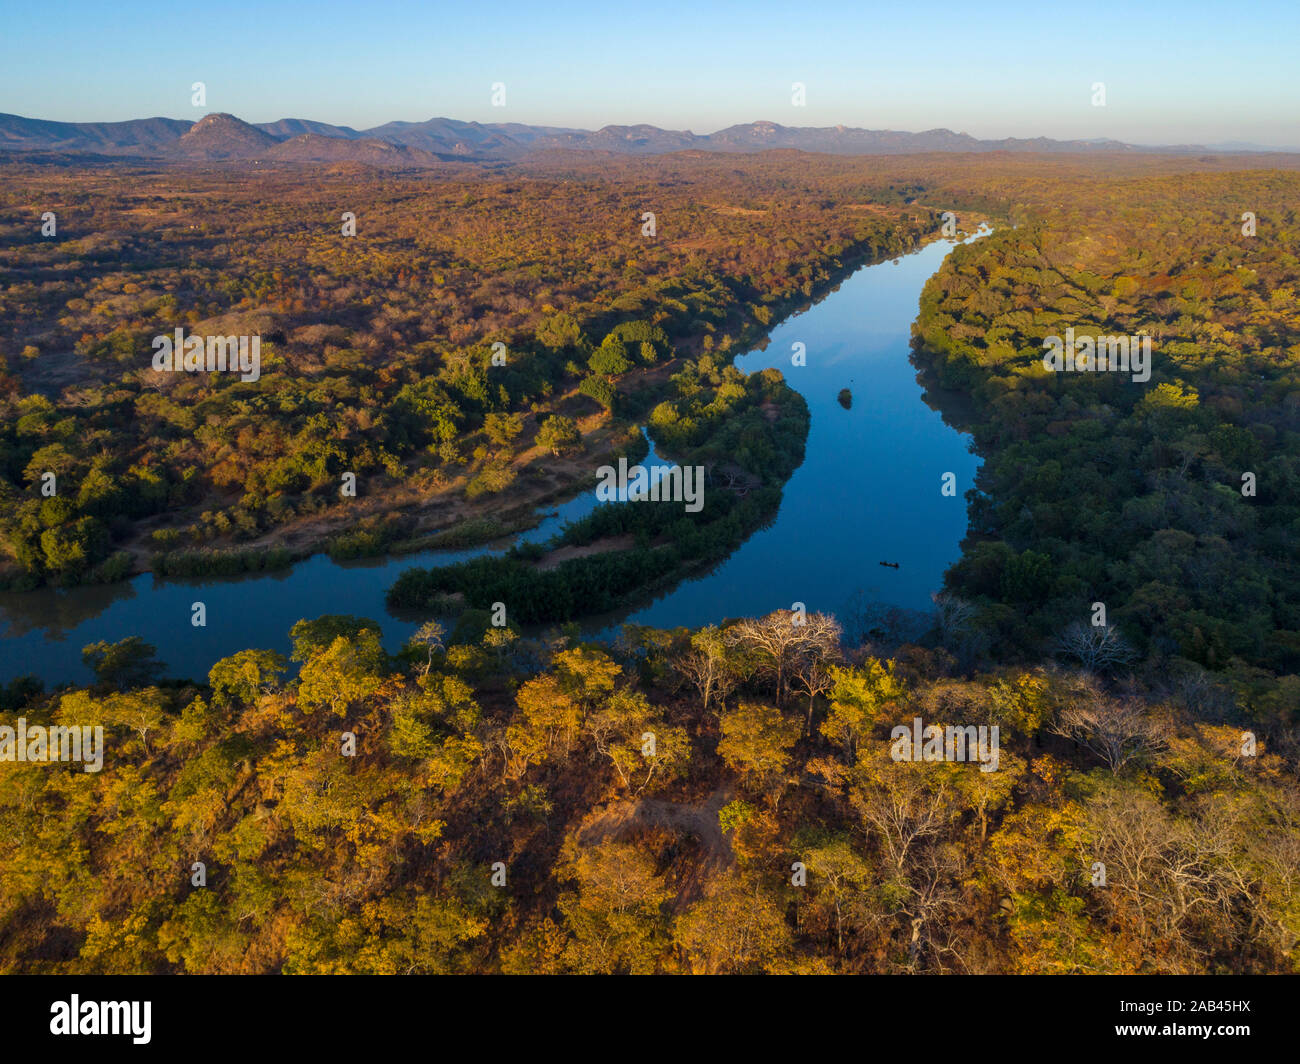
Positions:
(868, 491)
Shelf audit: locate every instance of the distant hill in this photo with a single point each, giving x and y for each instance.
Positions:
(295, 127)
(139, 136)
(311, 147)
(222, 136)
(417, 144)
(448, 137)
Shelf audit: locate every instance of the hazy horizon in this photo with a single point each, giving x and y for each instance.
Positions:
(1244, 144)
(1173, 74)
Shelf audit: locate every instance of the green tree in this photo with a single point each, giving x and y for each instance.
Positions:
(558, 331)
(738, 929)
(244, 675)
(310, 637)
(344, 673)
(501, 428)
(616, 913)
(559, 435)
(857, 696)
(610, 358)
(757, 740)
(130, 662)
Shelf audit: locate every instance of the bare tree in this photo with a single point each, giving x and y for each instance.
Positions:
(1115, 729)
(1199, 692)
(1095, 647)
(955, 623)
(1174, 879)
(868, 620)
(906, 804)
(953, 615)
(811, 665)
(782, 639)
(931, 900)
(813, 677)
(773, 639)
(1276, 854)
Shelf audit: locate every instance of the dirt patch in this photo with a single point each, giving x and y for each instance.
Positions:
(699, 820)
(600, 546)
(53, 371)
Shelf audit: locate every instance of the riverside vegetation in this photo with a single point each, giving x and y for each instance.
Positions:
(719, 800)
(377, 349)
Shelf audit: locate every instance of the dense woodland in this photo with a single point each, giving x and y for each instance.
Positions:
(745, 432)
(376, 349)
(504, 813)
(721, 800)
(1175, 501)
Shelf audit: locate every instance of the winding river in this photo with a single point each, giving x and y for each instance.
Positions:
(868, 491)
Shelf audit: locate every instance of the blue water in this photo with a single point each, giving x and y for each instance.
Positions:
(868, 491)
(46, 629)
(869, 487)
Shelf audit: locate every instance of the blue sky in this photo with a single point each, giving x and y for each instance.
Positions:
(1174, 72)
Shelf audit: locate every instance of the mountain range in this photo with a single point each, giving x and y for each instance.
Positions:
(219, 137)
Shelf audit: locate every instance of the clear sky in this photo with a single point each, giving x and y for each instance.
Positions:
(1174, 72)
